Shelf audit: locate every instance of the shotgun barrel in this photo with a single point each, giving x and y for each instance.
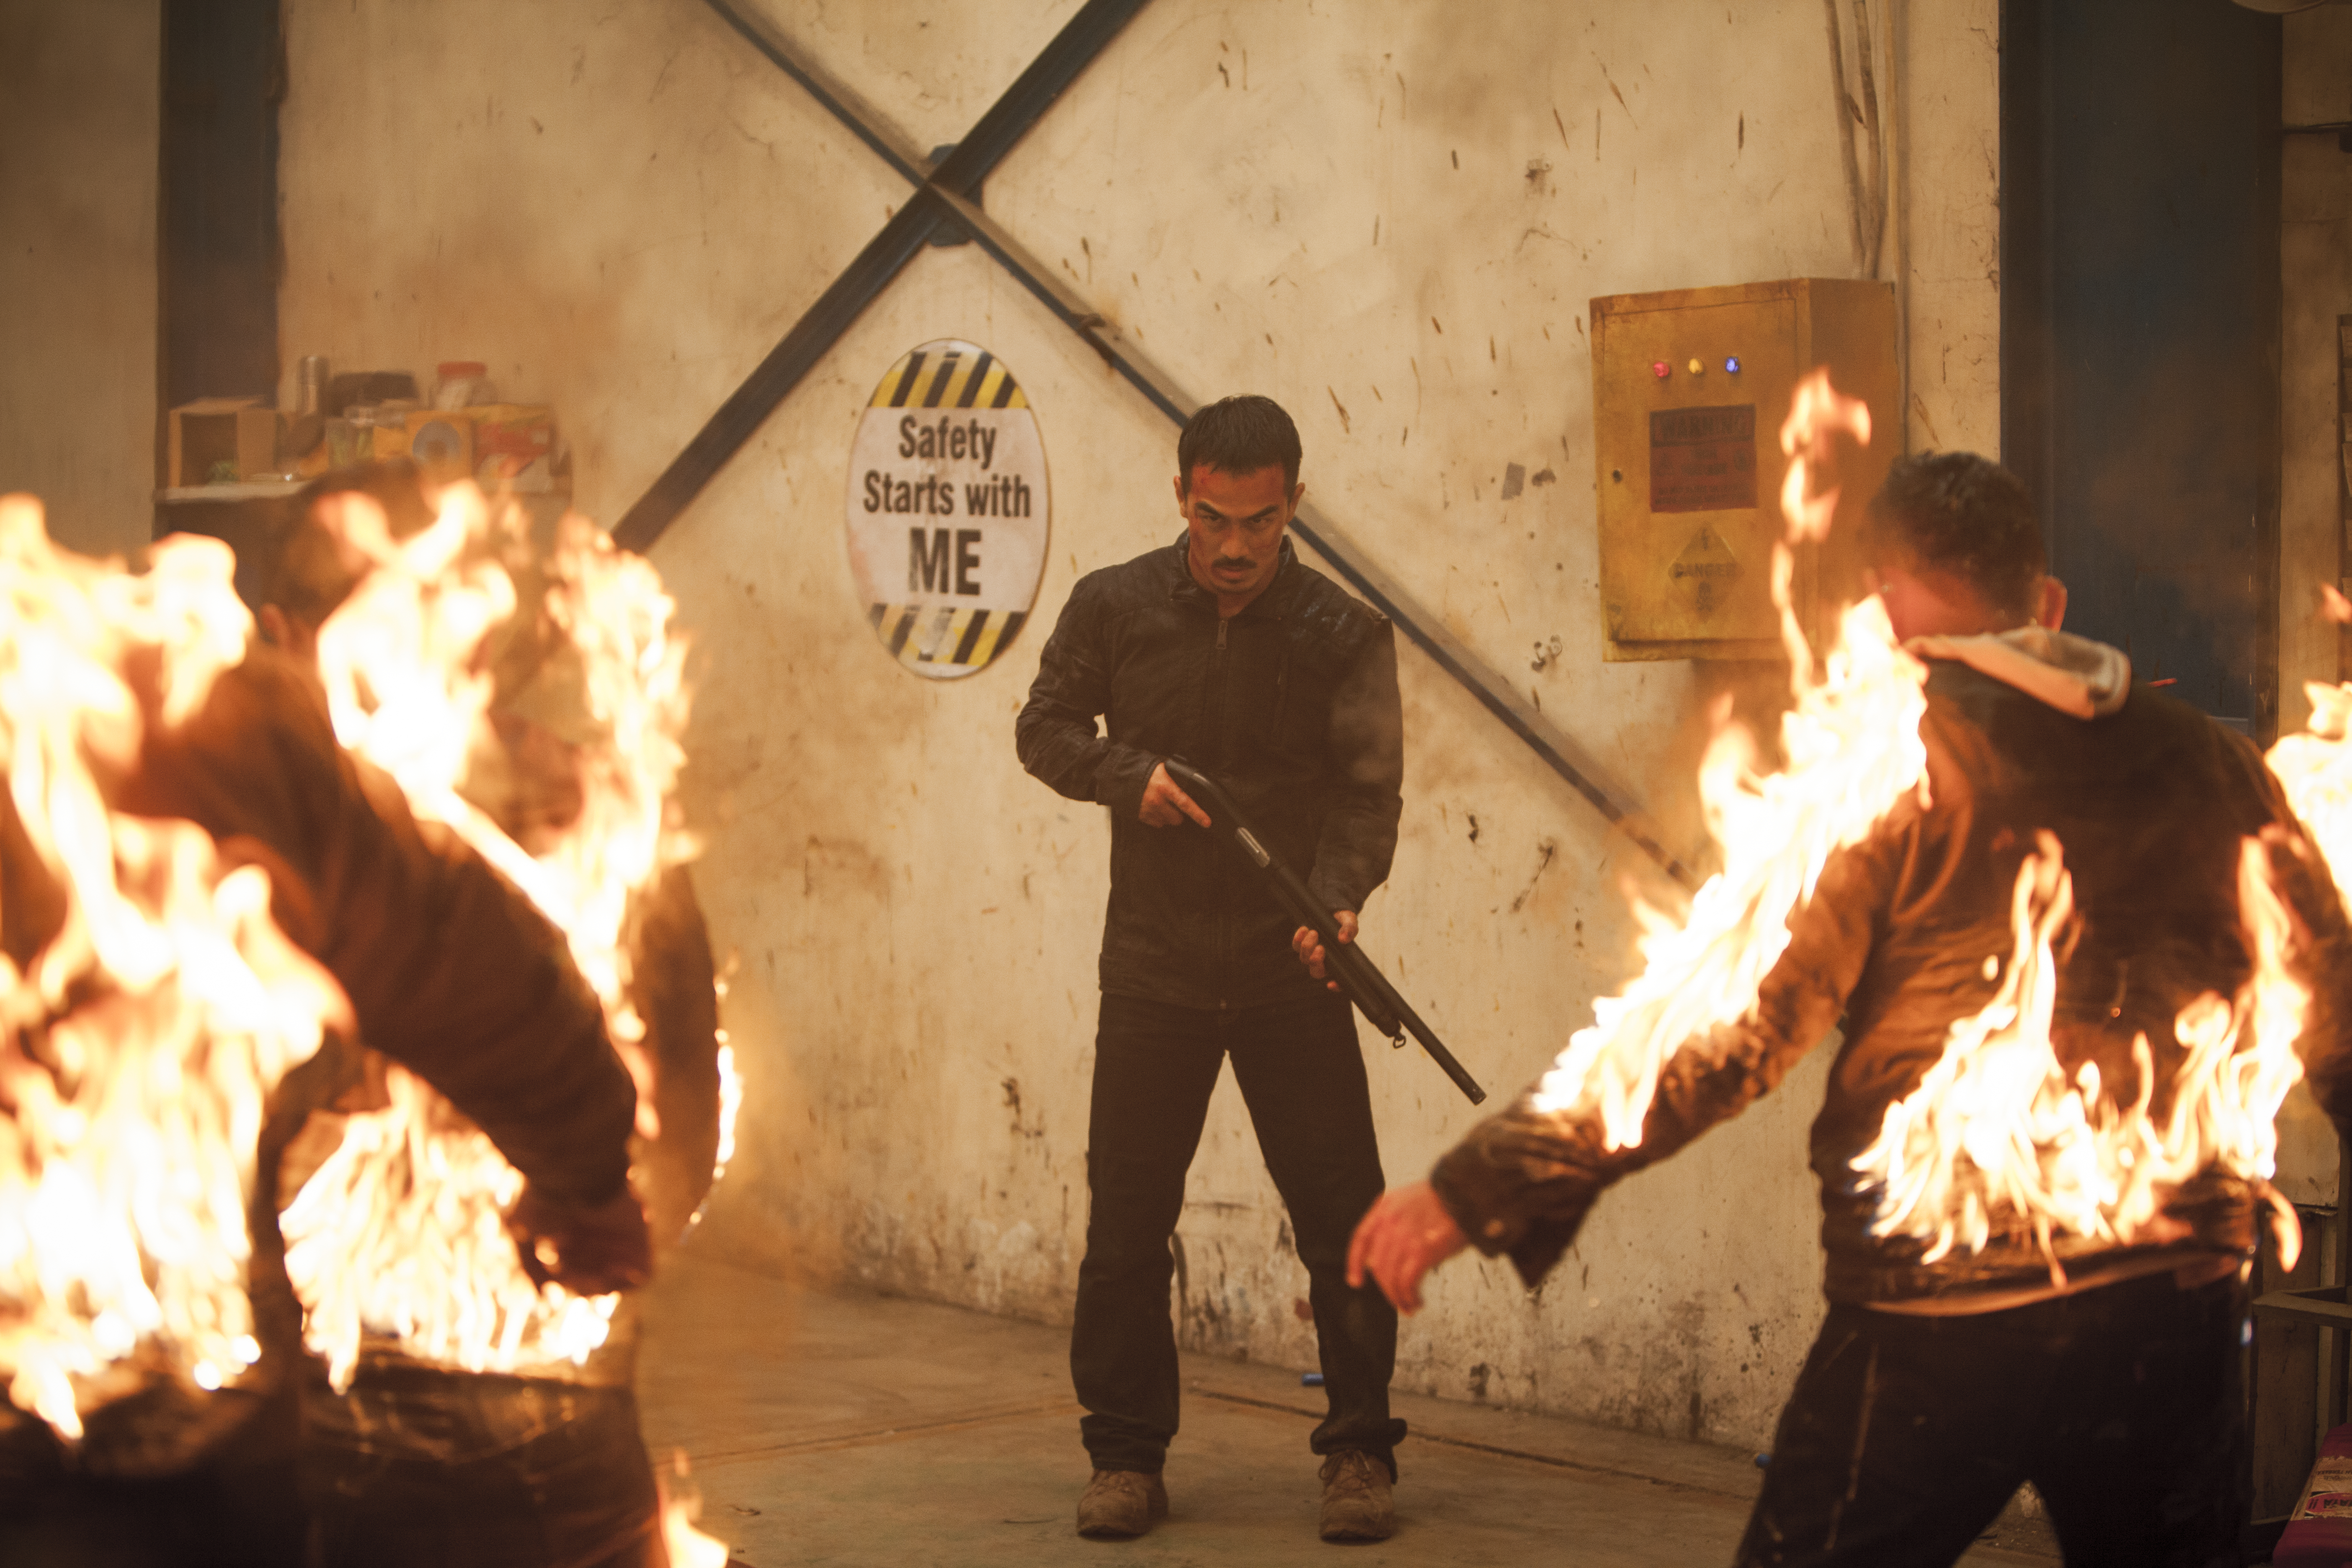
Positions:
(1358, 976)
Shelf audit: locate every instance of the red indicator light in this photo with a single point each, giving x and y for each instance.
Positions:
(1661, 369)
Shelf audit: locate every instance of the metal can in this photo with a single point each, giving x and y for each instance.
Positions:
(309, 384)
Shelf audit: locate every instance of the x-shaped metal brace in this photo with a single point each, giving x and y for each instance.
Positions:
(944, 207)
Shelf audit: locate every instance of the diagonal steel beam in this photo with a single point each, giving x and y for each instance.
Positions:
(839, 99)
(943, 197)
(883, 258)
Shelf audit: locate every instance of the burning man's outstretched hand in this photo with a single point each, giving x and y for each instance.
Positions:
(1309, 946)
(1406, 1234)
(588, 1251)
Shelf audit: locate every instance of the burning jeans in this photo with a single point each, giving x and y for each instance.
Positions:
(420, 1467)
(1906, 1436)
(1302, 1075)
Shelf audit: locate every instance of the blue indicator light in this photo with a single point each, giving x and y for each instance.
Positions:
(1731, 365)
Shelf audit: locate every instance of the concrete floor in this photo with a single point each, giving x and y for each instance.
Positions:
(846, 1428)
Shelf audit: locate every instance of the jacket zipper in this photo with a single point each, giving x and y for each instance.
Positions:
(1224, 930)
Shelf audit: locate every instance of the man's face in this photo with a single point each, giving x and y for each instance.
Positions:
(1236, 522)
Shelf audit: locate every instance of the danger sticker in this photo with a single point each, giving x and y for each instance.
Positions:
(1704, 574)
(947, 509)
(1702, 459)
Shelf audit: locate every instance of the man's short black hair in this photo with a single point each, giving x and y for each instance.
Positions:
(1967, 516)
(1239, 436)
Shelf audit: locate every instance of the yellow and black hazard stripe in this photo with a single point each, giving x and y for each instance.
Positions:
(961, 376)
(955, 636)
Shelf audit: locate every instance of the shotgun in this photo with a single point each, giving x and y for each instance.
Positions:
(1359, 978)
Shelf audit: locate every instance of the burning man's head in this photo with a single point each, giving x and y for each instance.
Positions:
(1237, 486)
(319, 564)
(1956, 549)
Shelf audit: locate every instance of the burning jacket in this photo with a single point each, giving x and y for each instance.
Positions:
(1292, 704)
(2151, 804)
(449, 969)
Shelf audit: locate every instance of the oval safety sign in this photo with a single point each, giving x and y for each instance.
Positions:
(947, 509)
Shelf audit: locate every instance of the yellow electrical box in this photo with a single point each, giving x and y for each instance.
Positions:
(1689, 389)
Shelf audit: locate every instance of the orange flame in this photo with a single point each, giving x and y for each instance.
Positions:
(402, 663)
(1852, 740)
(1998, 1125)
(2315, 768)
(681, 1508)
(138, 1048)
(1808, 438)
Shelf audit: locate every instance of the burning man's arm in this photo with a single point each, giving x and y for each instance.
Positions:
(1523, 1181)
(2322, 962)
(449, 969)
(1367, 750)
(1056, 733)
(2320, 954)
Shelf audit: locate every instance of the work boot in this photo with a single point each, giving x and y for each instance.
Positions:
(1121, 1504)
(1356, 1505)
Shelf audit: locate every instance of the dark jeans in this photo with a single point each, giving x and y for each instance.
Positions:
(1302, 1076)
(416, 1468)
(2123, 1405)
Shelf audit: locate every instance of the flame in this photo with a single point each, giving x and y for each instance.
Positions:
(399, 1232)
(2315, 770)
(138, 1046)
(1852, 741)
(730, 1101)
(681, 1507)
(1998, 1125)
(402, 1232)
(1808, 438)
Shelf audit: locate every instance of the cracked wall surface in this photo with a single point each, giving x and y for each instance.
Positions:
(1388, 217)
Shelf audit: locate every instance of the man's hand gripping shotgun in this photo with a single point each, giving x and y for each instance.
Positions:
(1365, 985)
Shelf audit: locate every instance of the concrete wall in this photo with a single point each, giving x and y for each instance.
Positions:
(79, 112)
(1389, 218)
(2316, 288)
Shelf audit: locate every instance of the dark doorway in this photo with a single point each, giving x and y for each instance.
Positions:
(224, 76)
(2139, 329)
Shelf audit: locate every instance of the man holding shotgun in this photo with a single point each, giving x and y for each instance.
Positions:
(1225, 651)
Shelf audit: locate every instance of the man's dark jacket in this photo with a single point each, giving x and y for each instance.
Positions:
(1292, 704)
(2151, 805)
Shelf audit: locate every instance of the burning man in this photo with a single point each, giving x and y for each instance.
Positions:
(1224, 650)
(445, 968)
(1981, 1348)
(414, 1462)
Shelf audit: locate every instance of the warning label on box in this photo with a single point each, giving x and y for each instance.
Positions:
(1702, 459)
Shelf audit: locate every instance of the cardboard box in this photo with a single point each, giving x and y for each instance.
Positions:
(514, 444)
(213, 431)
(441, 441)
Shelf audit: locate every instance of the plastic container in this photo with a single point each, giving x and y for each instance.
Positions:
(460, 383)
